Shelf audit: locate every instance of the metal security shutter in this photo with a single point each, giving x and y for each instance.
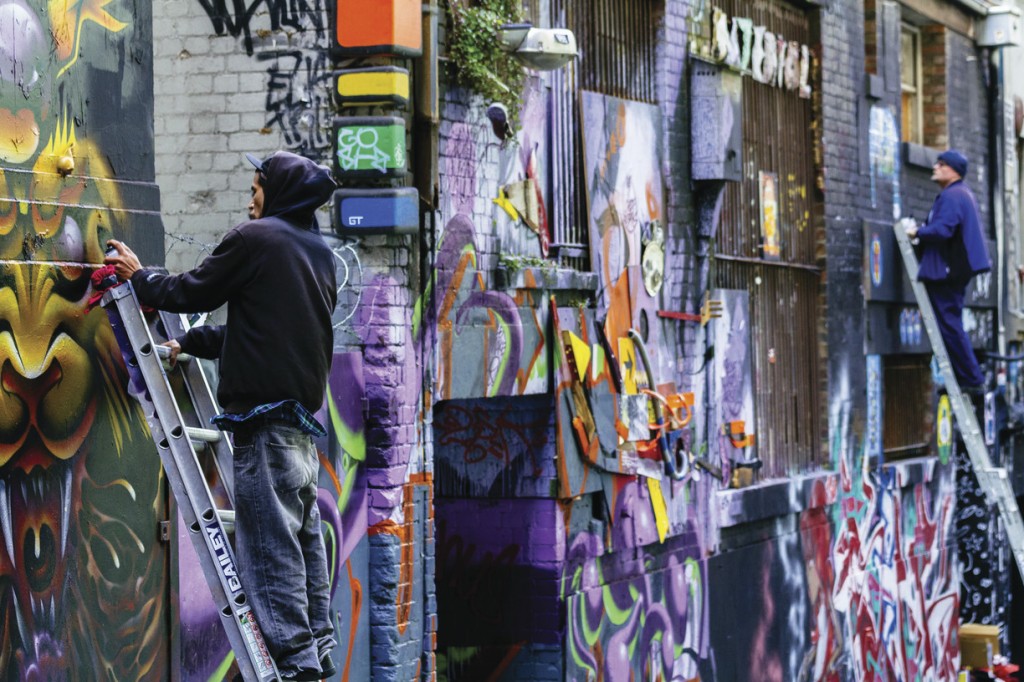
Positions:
(785, 294)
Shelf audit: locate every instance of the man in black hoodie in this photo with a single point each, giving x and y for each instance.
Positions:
(276, 275)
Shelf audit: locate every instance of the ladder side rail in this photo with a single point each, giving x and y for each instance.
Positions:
(199, 391)
(993, 480)
(196, 532)
(188, 484)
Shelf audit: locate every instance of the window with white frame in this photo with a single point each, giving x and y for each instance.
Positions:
(910, 83)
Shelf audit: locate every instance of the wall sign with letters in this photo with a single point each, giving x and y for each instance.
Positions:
(754, 50)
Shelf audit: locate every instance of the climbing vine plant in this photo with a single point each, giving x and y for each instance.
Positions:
(475, 51)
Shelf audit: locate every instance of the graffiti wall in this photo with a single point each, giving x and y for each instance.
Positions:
(623, 169)
(982, 550)
(670, 565)
(491, 341)
(883, 152)
(896, 574)
(83, 581)
(492, 415)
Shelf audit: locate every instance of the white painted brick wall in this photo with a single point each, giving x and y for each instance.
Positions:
(211, 105)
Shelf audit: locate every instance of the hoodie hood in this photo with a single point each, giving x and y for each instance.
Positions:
(294, 187)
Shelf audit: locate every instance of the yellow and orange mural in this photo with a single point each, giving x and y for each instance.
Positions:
(83, 573)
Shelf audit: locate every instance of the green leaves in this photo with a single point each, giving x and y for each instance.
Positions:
(475, 50)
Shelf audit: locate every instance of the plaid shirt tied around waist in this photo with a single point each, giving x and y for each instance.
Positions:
(288, 411)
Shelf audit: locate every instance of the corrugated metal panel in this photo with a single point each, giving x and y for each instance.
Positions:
(569, 211)
(784, 324)
(784, 294)
(617, 45)
(777, 136)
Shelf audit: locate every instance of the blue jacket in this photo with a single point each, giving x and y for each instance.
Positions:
(952, 245)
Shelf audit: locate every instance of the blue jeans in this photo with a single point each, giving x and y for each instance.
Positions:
(278, 545)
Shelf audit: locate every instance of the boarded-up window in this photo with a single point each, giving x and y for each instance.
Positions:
(617, 56)
(783, 274)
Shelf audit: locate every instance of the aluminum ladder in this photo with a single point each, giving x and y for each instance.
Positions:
(993, 480)
(180, 446)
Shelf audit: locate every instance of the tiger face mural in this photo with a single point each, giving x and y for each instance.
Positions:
(83, 575)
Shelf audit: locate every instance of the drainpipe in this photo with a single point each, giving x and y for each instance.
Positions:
(426, 121)
(997, 133)
(425, 141)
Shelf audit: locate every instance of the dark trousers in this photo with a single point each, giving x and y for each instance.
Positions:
(948, 302)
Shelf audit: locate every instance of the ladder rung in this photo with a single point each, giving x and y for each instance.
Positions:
(227, 519)
(203, 435)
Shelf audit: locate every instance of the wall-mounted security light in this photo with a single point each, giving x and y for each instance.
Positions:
(544, 49)
(1001, 27)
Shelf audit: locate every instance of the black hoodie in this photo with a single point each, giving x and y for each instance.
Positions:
(276, 275)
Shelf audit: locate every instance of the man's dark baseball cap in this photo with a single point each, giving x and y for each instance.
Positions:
(955, 160)
(257, 163)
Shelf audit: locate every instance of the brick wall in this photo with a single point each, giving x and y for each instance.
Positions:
(218, 95)
(967, 107)
(934, 104)
(841, 56)
(686, 280)
(870, 37)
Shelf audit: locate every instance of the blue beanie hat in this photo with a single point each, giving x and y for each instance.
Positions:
(955, 160)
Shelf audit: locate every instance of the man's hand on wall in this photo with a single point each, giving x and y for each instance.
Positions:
(125, 262)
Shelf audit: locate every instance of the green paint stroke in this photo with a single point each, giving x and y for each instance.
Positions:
(616, 616)
(222, 670)
(353, 444)
(417, 314)
(329, 537)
